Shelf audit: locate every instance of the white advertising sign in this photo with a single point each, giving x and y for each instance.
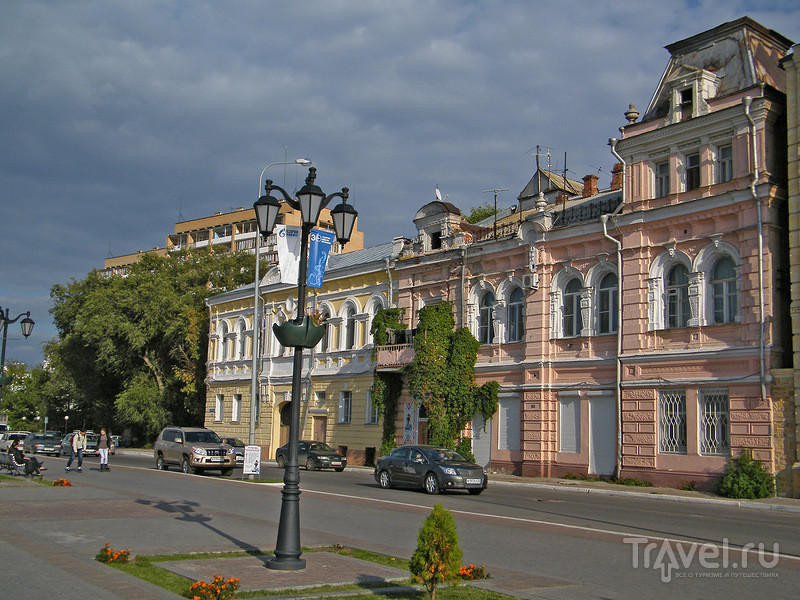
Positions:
(252, 460)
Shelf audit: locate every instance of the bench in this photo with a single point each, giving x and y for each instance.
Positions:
(10, 466)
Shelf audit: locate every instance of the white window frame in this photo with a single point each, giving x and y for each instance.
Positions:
(236, 408)
(516, 316)
(687, 168)
(219, 407)
(613, 304)
(345, 407)
(662, 177)
(486, 330)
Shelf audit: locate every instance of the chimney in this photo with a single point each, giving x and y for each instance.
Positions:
(589, 185)
(616, 177)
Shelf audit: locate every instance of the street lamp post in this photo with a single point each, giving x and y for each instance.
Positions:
(27, 328)
(255, 366)
(310, 201)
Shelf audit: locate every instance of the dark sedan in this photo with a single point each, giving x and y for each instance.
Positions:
(433, 469)
(42, 443)
(314, 455)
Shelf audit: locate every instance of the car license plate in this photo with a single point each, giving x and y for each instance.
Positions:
(215, 459)
(474, 481)
(336, 463)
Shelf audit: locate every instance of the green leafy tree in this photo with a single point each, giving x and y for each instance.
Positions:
(386, 387)
(437, 559)
(135, 347)
(479, 213)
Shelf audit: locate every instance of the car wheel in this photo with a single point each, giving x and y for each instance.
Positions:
(384, 480)
(475, 491)
(281, 461)
(310, 466)
(227, 472)
(160, 464)
(185, 464)
(431, 484)
(338, 469)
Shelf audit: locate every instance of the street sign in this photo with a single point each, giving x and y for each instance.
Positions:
(252, 460)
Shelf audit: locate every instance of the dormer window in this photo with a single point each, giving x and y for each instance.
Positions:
(686, 104)
(436, 240)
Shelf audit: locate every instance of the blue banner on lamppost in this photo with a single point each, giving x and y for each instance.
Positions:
(319, 247)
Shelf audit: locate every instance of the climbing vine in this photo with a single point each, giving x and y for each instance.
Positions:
(386, 387)
(442, 375)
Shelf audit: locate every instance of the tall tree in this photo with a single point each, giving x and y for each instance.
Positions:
(135, 346)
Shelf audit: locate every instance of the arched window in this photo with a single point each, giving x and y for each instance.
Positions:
(241, 341)
(573, 322)
(676, 292)
(485, 324)
(350, 328)
(323, 344)
(223, 341)
(607, 304)
(516, 317)
(723, 286)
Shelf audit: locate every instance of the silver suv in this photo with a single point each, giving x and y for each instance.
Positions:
(194, 449)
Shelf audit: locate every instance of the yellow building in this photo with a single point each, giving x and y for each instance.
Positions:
(234, 231)
(336, 376)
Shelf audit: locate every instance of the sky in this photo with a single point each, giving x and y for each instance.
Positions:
(119, 119)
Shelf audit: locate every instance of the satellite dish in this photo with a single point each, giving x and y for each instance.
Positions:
(438, 194)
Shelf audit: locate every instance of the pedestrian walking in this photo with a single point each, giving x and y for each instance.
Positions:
(104, 444)
(32, 464)
(78, 446)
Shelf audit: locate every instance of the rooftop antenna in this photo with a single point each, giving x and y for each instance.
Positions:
(495, 206)
(180, 206)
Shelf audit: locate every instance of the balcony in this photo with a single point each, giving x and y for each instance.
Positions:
(394, 357)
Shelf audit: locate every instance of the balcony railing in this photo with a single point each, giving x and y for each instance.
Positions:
(395, 356)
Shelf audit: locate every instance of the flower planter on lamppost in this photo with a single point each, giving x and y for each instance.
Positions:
(299, 334)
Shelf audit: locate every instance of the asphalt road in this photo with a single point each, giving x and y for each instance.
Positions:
(568, 544)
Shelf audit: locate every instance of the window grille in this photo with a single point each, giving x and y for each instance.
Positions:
(714, 422)
(672, 422)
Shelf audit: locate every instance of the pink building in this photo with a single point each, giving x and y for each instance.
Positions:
(637, 330)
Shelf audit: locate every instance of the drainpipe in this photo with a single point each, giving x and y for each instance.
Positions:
(463, 286)
(604, 220)
(747, 100)
(391, 284)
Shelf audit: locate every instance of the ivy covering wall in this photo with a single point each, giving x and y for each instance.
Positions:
(441, 377)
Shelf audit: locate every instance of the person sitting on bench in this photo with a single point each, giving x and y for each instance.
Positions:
(32, 465)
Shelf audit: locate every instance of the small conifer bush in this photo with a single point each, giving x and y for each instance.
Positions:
(746, 477)
(437, 558)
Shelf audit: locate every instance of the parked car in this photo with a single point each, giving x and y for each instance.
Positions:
(42, 443)
(314, 455)
(431, 468)
(9, 436)
(91, 444)
(238, 448)
(193, 449)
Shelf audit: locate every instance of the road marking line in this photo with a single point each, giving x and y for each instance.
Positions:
(551, 524)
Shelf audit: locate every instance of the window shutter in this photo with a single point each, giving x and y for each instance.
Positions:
(570, 424)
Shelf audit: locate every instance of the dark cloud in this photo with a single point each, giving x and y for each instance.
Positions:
(119, 117)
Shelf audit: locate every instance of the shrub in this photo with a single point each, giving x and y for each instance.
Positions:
(464, 448)
(745, 477)
(219, 589)
(689, 486)
(437, 558)
(107, 555)
(62, 483)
